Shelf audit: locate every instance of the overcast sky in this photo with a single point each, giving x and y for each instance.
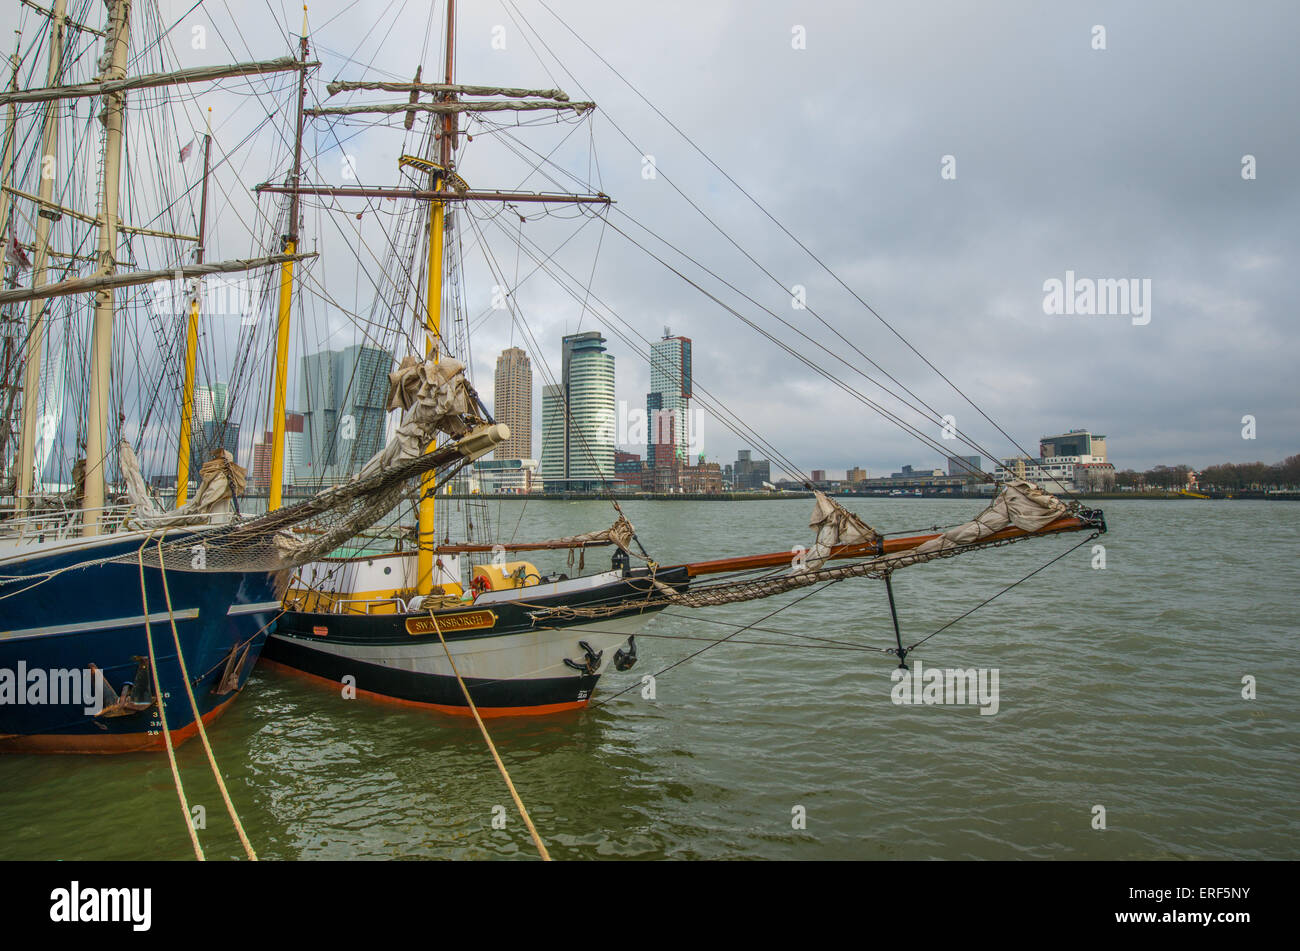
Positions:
(1117, 163)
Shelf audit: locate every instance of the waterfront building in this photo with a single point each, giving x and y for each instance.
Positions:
(668, 404)
(578, 417)
(512, 403)
(749, 474)
(209, 436)
(343, 394)
(505, 476)
(1074, 461)
(210, 402)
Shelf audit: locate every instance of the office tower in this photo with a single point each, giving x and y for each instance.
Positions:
(512, 403)
(578, 417)
(750, 474)
(343, 392)
(668, 416)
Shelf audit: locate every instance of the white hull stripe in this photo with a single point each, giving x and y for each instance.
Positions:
(188, 614)
(238, 609)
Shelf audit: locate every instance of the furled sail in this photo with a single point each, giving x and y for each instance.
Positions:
(835, 526)
(437, 398)
(1018, 505)
(434, 397)
(220, 481)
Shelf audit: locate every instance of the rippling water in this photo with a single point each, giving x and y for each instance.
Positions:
(1118, 687)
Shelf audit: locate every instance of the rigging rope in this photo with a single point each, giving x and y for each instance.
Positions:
(194, 706)
(714, 644)
(162, 711)
(519, 803)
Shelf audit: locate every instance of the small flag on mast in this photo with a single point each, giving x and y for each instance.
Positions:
(185, 152)
(16, 253)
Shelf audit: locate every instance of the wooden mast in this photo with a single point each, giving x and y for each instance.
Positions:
(286, 294)
(36, 336)
(101, 341)
(192, 339)
(10, 350)
(426, 537)
(7, 165)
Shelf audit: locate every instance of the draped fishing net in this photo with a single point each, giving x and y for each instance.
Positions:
(435, 398)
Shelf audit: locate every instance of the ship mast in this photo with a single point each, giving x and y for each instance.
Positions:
(286, 294)
(101, 341)
(36, 338)
(7, 165)
(426, 537)
(10, 350)
(192, 340)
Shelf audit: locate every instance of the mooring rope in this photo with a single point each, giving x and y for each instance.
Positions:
(162, 712)
(194, 706)
(519, 803)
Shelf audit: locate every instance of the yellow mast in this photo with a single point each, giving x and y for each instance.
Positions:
(36, 338)
(433, 321)
(286, 297)
(192, 343)
(427, 536)
(101, 339)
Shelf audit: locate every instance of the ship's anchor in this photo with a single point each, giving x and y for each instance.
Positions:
(234, 668)
(592, 660)
(125, 704)
(625, 658)
(898, 638)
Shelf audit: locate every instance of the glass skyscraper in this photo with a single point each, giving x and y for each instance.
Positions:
(578, 417)
(343, 394)
(668, 404)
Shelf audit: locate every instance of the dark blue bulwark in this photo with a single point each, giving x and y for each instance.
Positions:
(91, 611)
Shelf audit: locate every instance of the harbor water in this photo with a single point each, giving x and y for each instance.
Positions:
(1156, 696)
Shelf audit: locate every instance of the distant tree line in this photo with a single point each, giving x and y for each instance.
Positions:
(1226, 476)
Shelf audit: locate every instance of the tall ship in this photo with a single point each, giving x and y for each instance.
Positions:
(471, 625)
(129, 621)
(371, 569)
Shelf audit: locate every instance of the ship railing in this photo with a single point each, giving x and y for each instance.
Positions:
(56, 524)
(340, 606)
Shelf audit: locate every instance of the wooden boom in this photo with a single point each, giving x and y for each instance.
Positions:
(890, 546)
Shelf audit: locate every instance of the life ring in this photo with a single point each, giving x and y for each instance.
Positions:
(478, 584)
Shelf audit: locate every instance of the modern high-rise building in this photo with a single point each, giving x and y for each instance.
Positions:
(578, 417)
(260, 473)
(343, 393)
(512, 403)
(294, 447)
(210, 402)
(208, 436)
(749, 474)
(668, 404)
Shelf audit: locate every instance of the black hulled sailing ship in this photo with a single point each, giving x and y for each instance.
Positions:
(434, 623)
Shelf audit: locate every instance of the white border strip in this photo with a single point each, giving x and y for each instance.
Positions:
(238, 609)
(86, 627)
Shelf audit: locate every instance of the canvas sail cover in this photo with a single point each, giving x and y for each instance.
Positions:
(836, 527)
(1018, 504)
(219, 480)
(436, 398)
